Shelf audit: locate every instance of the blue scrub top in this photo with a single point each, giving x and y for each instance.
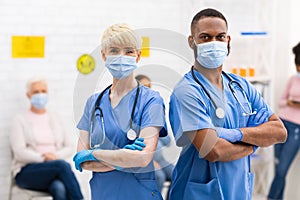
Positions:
(192, 110)
(149, 111)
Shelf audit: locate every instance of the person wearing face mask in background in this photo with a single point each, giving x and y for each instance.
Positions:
(120, 126)
(40, 146)
(289, 113)
(218, 118)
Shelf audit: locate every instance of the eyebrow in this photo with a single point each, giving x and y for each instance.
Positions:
(223, 33)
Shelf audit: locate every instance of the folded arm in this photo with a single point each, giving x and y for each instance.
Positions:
(96, 166)
(213, 148)
(127, 158)
(266, 134)
(124, 158)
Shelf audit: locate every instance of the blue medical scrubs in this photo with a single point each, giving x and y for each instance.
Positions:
(133, 183)
(192, 110)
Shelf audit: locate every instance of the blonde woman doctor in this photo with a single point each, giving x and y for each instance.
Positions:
(120, 126)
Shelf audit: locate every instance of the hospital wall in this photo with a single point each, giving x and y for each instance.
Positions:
(72, 28)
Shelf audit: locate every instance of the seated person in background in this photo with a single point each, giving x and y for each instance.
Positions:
(163, 169)
(39, 144)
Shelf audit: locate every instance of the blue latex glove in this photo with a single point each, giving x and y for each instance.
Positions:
(138, 144)
(83, 156)
(231, 135)
(259, 118)
(118, 168)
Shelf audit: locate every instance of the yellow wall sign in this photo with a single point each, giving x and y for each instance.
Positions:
(28, 46)
(145, 47)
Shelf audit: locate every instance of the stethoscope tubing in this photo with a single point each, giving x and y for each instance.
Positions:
(245, 113)
(98, 112)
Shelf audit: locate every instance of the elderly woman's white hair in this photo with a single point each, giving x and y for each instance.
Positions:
(35, 79)
(120, 34)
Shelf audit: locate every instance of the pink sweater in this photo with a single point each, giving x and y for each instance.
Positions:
(26, 141)
(291, 92)
(42, 132)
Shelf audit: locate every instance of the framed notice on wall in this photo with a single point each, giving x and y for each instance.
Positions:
(145, 47)
(28, 46)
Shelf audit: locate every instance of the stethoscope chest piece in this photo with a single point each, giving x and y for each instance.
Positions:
(220, 113)
(131, 134)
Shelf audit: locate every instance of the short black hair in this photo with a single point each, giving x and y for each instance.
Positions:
(141, 76)
(296, 51)
(208, 12)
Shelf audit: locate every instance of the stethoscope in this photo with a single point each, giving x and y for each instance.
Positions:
(98, 114)
(220, 113)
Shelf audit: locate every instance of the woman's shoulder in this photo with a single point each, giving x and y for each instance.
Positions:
(92, 98)
(22, 115)
(149, 93)
(295, 78)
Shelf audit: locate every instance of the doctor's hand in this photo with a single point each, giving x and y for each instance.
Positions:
(259, 118)
(138, 144)
(231, 135)
(83, 156)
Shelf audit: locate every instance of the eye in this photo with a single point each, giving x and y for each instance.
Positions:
(221, 37)
(204, 37)
(130, 51)
(114, 51)
(37, 92)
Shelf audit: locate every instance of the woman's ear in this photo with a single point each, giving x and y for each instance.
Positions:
(28, 95)
(191, 42)
(103, 55)
(138, 57)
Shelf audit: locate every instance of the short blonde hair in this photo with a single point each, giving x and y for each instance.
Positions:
(120, 34)
(33, 80)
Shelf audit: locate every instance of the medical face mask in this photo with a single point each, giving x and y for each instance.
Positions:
(39, 101)
(211, 54)
(120, 66)
(298, 74)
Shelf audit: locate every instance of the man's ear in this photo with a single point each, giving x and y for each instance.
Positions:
(191, 42)
(28, 95)
(228, 43)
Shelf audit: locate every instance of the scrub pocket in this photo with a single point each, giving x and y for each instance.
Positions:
(203, 191)
(243, 120)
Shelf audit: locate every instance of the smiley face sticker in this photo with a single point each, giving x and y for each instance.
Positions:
(86, 64)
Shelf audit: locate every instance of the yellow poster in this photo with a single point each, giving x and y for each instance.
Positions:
(145, 47)
(28, 46)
